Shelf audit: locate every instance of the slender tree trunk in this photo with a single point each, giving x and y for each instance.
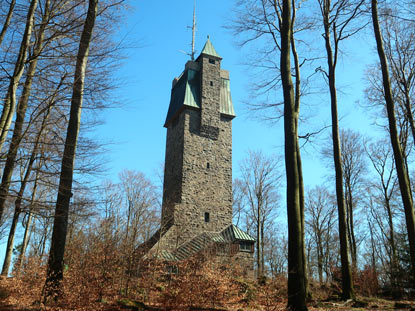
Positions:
(21, 112)
(372, 241)
(18, 202)
(296, 277)
(10, 242)
(394, 258)
(26, 238)
(53, 287)
(350, 222)
(42, 248)
(299, 162)
(9, 105)
(347, 281)
(320, 258)
(7, 21)
(401, 169)
(259, 243)
(262, 249)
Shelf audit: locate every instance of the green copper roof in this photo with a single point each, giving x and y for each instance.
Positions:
(230, 234)
(208, 49)
(234, 233)
(226, 106)
(185, 93)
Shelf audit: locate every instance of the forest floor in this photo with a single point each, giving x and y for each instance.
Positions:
(11, 300)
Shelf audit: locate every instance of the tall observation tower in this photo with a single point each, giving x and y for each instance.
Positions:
(197, 190)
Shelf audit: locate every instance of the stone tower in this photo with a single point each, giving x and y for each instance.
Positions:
(197, 194)
(197, 190)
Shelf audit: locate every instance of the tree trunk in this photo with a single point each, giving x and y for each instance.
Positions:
(296, 277)
(394, 258)
(402, 173)
(25, 242)
(299, 163)
(353, 248)
(10, 242)
(9, 105)
(372, 242)
(347, 282)
(320, 258)
(259, 244)
(53, 287)
(262, 248)
(7, 21)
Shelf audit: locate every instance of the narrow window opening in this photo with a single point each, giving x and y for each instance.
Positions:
(208, 165)
(211, 61)
(211, 83)
(175, 121)
(172, 269)
(207, 217)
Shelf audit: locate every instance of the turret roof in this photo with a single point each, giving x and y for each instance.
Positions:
(208, 49)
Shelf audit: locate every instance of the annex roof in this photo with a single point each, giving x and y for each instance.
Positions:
(233, 233)
(229, 235)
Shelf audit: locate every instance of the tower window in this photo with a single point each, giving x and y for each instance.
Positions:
(207, 217)
(208, 165)
(211, 83)
(211, 61)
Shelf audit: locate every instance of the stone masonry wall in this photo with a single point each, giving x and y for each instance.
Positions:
(210, 83)
(173, 167)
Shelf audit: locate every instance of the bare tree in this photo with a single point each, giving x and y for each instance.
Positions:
(7, 20)
(259, 183)
(383, 203)
(354, 170)
(297, 287)
(400, 52)
(24, 182)
(276, 250)
(275, 20)
(55, 264)
(320, 220)
(338, 17)
(401, 169)
(9, 104)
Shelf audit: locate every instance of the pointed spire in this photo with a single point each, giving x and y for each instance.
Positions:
(208, 49)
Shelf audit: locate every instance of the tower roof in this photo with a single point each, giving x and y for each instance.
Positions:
(208, 49)
(186, 94)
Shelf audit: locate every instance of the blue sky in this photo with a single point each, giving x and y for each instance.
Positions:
(160, 30)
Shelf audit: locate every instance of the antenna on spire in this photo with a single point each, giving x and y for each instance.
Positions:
(193, 27)
(193, 31)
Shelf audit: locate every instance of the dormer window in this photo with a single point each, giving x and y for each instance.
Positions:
(211, 61)
(245, 246)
